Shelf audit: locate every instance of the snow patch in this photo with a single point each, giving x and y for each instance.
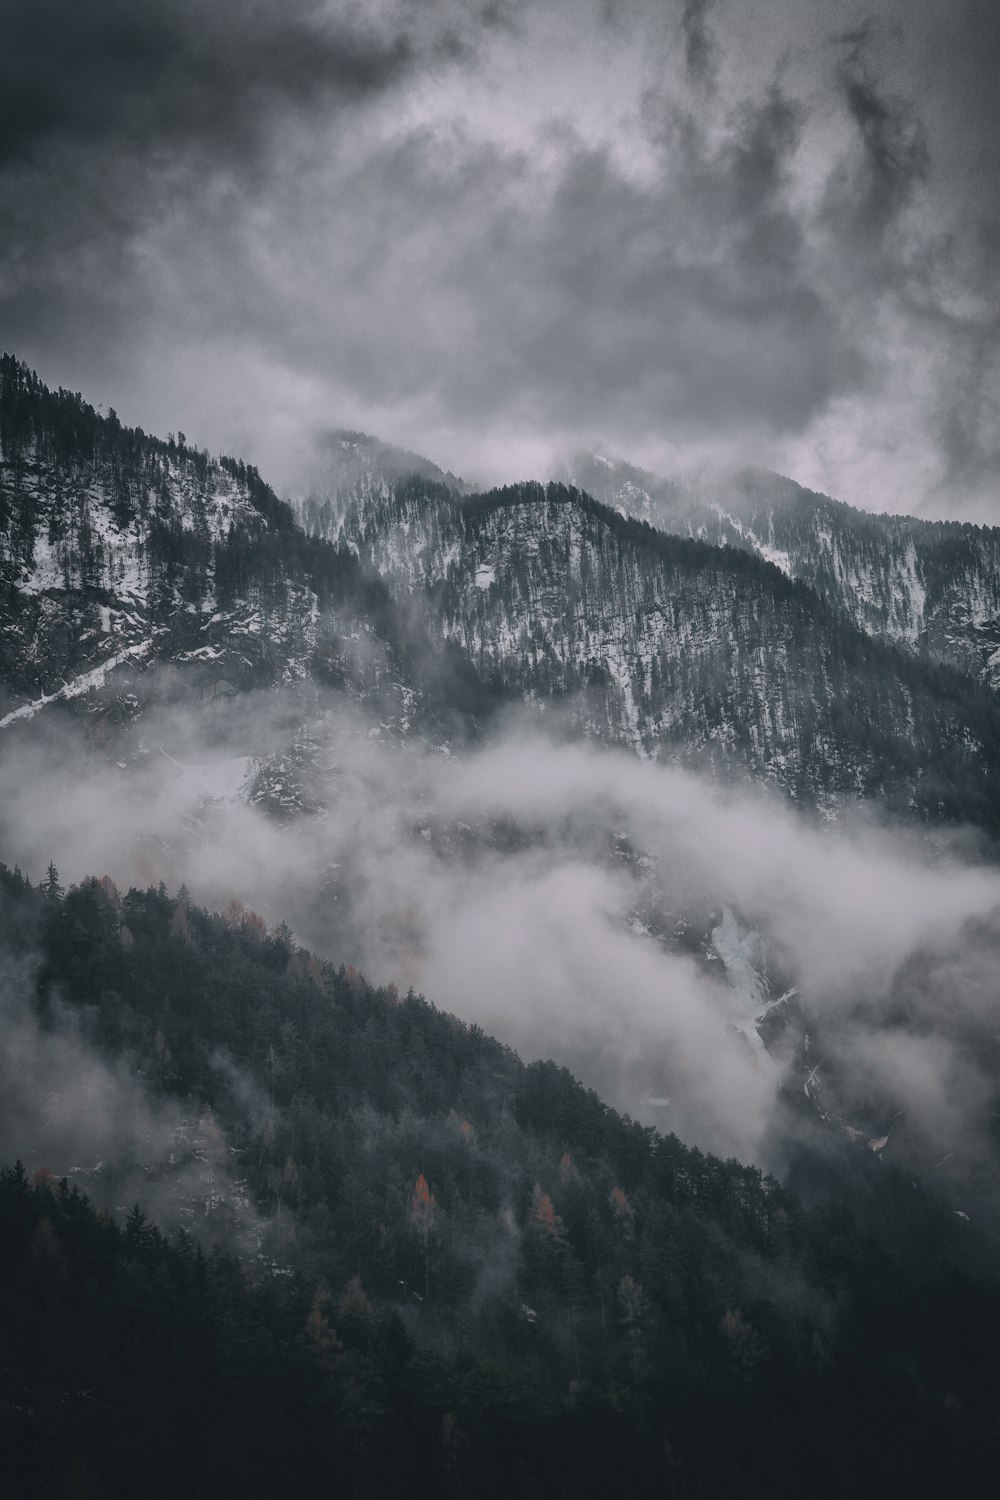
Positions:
(201, 781)
(78, 686)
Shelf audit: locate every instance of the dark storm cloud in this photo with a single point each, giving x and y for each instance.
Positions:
(700, 46)
(915, 211)
(954, 290)
(167, 72)
(683, 300)
(452, 220)
(895, 157)
(123, 120)
(967, 420)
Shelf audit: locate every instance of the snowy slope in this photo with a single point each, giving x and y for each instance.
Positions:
(680, 650)
(132, 566)
(932, 587)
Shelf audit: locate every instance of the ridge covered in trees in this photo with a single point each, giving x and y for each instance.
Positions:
(114, 542)
(62, 427)
(683, 650)
(478, 1279)
(931, 586)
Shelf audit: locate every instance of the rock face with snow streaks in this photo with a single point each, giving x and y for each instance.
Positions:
(932, 587)
(680, 649)
(120, 547)
(122, 554)
(125, 558)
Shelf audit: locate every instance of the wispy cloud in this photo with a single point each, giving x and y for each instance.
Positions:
(566, 898)
(488, 232)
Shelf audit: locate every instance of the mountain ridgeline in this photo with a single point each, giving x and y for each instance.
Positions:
(685, 651)
(132, 566)
(267, 1226)
(123, 554)
(463, 1275)
(932, 587)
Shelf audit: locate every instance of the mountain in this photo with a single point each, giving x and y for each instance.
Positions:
(134, 566)
(344, 458)
(932, 587)
(217, 656)
(130, 565)
(368, 1246)
(467, 1276)
(681, 649)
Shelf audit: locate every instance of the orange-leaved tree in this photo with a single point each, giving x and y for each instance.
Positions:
(423, 1206)
(543, 1214)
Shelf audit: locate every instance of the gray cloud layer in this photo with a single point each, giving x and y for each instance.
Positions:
(165, 72)
(68, 1109)
(489, 232)
(493, 884)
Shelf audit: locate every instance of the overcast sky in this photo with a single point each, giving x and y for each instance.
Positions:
(690, 230)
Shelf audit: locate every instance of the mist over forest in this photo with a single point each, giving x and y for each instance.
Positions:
(630, 919)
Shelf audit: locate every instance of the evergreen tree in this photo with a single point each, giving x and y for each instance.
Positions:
(53, 891)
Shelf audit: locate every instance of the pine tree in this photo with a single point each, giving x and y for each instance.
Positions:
(140, 1235)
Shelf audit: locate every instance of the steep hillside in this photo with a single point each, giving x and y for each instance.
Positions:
(680, 649)
(932, 587)
(121, 553)
(133, 566)
(486, 1282)
(450, 1272)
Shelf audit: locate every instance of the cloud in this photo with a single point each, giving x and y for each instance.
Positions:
(63, 1106)
(69, 1109)
(700, 44)
(169, 73)
(573, 901)
(702, 230)
(896, 157)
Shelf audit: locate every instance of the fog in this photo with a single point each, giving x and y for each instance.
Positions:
(629, 919)
(68, 1109)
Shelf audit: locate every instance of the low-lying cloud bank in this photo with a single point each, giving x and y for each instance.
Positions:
(631, 920)
(69, 1110)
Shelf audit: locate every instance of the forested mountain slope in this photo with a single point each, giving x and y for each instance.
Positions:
(131, 565)
(121, 552)
(479, 1279)
(447, 1272)
(680, 649)
(932, 587)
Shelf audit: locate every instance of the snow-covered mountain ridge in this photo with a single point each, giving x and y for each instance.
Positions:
(123, 556)
(136, 571)
(118, 546)
(932, 587)
(127, 560)
(680, 649)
